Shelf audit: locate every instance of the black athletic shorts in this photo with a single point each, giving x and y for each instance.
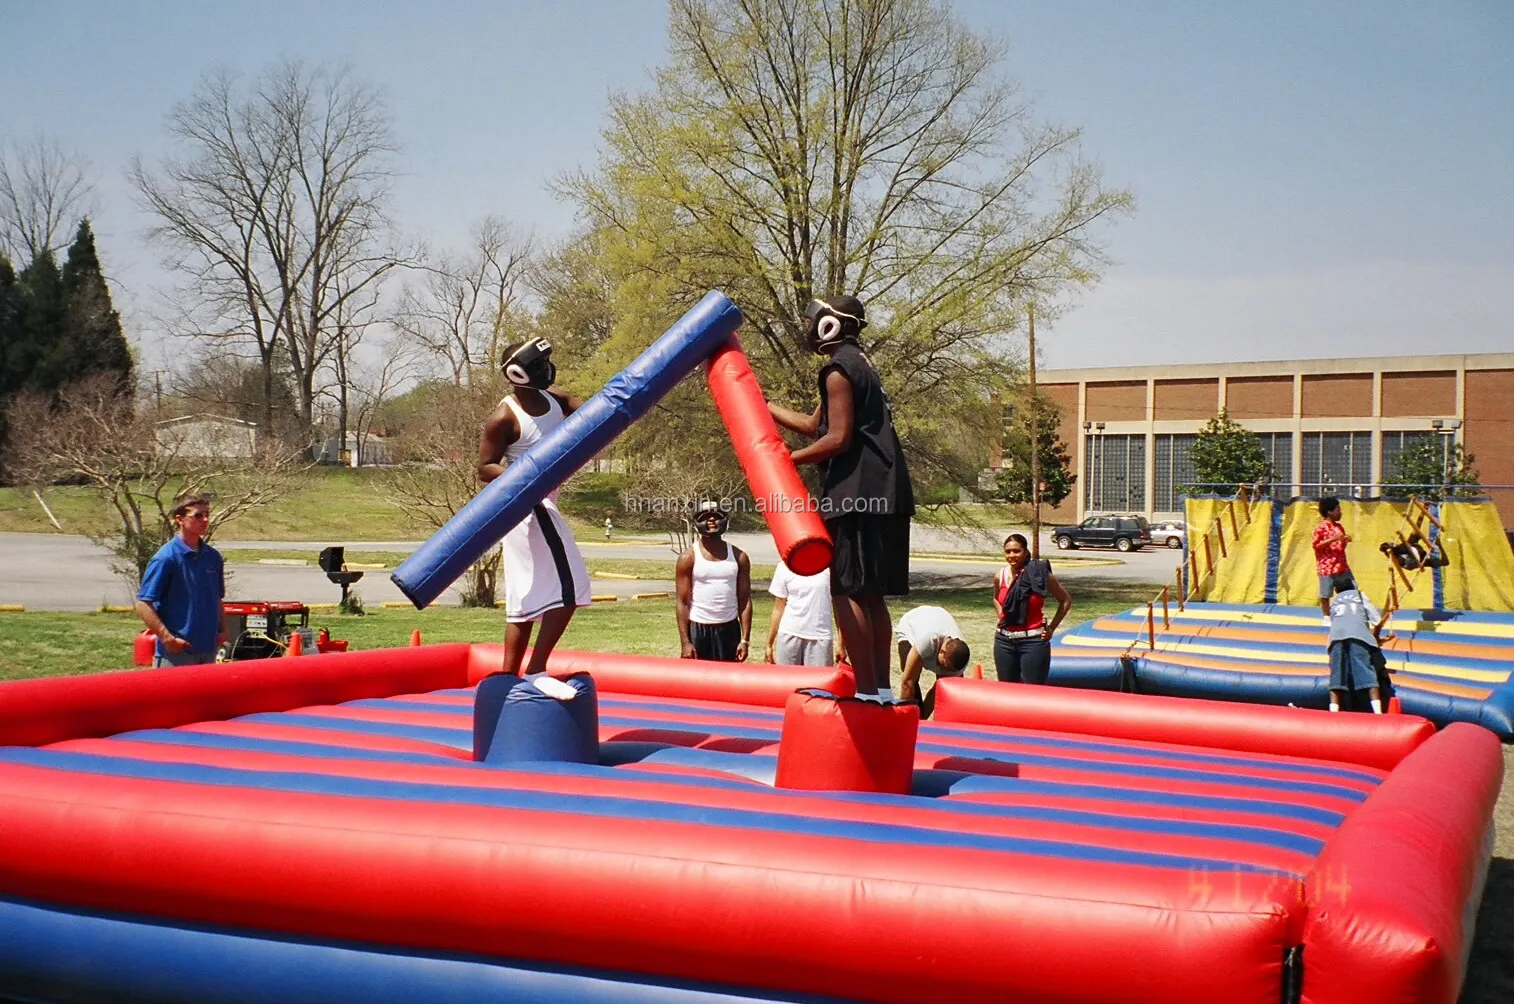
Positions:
(716, 642)
(871, 555)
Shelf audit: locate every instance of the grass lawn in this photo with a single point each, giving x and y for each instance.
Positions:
(52, 644)
(629, 568)
(334, 504)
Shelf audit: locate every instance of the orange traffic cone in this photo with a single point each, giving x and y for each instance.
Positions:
(296, 645)
(1395, 706)
(415, 637)
(977, 671)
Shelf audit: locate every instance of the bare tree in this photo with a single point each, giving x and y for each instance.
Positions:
(363, 384)
(44, 193)
(96, 434)
(465, 309)
(442, 447)
(276, 214)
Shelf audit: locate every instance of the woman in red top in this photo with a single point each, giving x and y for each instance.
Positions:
(1022, 642)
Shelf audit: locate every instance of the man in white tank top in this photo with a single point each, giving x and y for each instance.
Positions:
(714, 607)
(545, 575)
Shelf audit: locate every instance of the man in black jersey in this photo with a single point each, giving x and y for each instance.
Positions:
(866, 496)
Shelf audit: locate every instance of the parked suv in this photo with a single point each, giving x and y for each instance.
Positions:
(1171, 532)
(1123, 533)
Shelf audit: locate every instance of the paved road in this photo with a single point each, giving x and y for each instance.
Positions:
(63, 572)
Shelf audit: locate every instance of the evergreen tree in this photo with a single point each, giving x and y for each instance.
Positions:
(10, 342)
(1012, 484)
(95, 340)
(1433, 470)
(42, 358)
(1227, 455)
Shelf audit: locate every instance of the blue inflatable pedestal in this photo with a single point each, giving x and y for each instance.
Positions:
(516, 719)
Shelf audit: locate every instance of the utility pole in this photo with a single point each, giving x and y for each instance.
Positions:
(1035, 442)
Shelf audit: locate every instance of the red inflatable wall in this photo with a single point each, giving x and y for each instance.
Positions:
(777, 908)
(690, 679)
(1379, 741)
(797, 527)
(36, 712)
(1395, 891)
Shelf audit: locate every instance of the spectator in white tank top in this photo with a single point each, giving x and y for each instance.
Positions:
(799, 633)
(714, 607)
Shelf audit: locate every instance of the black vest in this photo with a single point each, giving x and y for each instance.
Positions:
(871, 476)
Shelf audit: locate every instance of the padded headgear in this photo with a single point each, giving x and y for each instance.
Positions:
(531, 365)
(705, 510)
(828, 320)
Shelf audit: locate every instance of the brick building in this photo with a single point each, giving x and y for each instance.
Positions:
(1333, 424)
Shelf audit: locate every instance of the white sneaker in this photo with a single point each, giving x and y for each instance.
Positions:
(1326, 619)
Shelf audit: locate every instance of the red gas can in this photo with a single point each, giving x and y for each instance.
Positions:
(144, 648)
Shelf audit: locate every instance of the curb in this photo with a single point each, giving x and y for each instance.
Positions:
(650, 596)
(12, 608)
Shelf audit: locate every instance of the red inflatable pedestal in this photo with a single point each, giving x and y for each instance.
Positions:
(785, 503)
(832, 743)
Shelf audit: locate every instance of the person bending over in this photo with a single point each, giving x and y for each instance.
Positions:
(1330, 540)
(714, 606)
(799, 631)
(1357, 665)
(1022, 640)
(929, 638)
(866, 496)
(545, 576)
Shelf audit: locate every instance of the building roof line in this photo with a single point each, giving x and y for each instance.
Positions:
(1283, 367)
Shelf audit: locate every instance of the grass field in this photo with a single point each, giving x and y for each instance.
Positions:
(52, 644)
(340, 503)
(49, 644)
(627, 568)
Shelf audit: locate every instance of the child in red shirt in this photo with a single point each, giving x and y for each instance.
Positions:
(1330, 540)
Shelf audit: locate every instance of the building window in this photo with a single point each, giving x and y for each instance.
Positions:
(1278, 446)
(1396, 443)
(1333, 460)
(1114, 473)
(1174, 469)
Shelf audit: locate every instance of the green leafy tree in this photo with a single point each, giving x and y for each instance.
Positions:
(1429, 468)
(1227, 455)
(1012, 483)
(799, 148)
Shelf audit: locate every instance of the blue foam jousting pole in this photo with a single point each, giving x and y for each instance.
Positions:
(508, 499)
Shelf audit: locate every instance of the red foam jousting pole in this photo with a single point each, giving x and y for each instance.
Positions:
(785, 503)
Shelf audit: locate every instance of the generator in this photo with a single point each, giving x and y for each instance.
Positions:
(261, 629)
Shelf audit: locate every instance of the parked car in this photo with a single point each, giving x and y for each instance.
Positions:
(1123, 533)
(1171, 532)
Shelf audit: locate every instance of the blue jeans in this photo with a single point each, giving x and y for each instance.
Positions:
(1022, 660)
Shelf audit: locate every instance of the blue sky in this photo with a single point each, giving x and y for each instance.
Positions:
(1311, 179)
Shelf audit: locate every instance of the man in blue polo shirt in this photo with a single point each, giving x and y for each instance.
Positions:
(180, 598)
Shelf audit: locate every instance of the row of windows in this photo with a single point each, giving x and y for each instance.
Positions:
(1114, 467)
